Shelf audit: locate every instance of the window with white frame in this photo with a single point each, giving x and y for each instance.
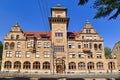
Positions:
(37, 54)
(71, 45)
(18, 54)
(46, 44)
(46, 54)
(81, 55)
(85, 45)
(27, 54)
(72, 55)
(58, 48)
(9, 54)
(94, 37)
(18, 44)
(39, 45)
(28, 44)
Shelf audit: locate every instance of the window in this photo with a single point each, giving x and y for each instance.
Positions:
(83, 37)
(18, 54)
(90, 45)
(39, 45)
(12, 36)
(46, 54)
(17, 65)
(95, 46)
(8, 54)
(81, 65)
(58, 48)
(6, 45)
(17, 37)
(58, 34)
(27, 54)
(99, 55)
(12, 45)
(94, 37)
(72, 65)
(79, 46)
(26, 65)
(100, 46)
(46, 44)
(46, 65)
(85, 45)
(71, 46)
(18, 44)
(37, 54)
(8, 65)
(88, 31)
(36, 65)
(99, 65)
(111, 65)
(81, 55)
(90, 55)
(90, 65)
(72, 55)
(28, 44)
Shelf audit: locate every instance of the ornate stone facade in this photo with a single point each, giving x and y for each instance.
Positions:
(57, 51)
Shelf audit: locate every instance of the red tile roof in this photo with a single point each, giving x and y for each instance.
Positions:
(47, 34)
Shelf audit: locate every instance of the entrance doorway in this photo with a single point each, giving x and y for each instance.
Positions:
(60, 65)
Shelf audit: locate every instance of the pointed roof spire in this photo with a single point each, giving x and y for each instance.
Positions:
(16, 25)
(87, 21)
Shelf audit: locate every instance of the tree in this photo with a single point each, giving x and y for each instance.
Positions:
(104, 8)
(107, 52)
(1, 48)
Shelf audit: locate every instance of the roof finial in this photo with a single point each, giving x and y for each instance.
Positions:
(16, 25)
(58, 5)
(87, 22)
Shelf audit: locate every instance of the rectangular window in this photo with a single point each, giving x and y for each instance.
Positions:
(79, 46)
(18, 44)
(17, 37)
(46, 54)
(71, 46)
(85, 45)
(59, 48)
(27, 54)
(83, 37)
(37, 54)
(28, 44)
(18, 54)
(58, 34)
(72, 55)
(8, 54)
(81, 55)
(39, 45)
(12, 36)
(99, 55)
(46, 44)
(90, 55)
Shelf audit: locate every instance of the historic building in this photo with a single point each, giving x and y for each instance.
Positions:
(56, 51)
(116, 53)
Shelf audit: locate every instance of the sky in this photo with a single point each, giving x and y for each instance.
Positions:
(32, 15)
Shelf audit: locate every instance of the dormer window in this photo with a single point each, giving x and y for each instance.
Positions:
(17, 37)
(44, 37)
(12, 36)
(88, 31)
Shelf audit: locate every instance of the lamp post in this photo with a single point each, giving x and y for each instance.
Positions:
(85, 64)
(52, 58)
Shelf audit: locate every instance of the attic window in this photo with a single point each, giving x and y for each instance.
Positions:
(43, 36)
(88, 31)
(71, 38)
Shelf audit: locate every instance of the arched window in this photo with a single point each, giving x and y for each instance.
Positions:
(100, 46)
(26, 65)
(72, 65)
(8, 65)
(111, 65)
(99, 65)
(95, 46)
(81, 65)
(46, 65)
(12, 45)
(6, 45)
(90, 65)
(36, 65)
(17, 65)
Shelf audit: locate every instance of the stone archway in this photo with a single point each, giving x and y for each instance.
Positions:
(60, 65)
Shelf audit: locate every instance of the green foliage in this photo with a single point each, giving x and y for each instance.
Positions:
(107, 52)
(1, 48)
(105, 8)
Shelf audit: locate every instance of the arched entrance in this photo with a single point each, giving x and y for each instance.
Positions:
(60, 65)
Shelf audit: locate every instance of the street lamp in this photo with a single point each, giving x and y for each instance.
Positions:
(85, 64)
(52, 46)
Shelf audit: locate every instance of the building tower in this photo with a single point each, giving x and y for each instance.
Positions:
(59, 25)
